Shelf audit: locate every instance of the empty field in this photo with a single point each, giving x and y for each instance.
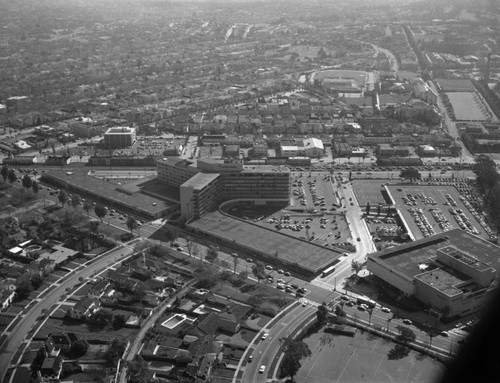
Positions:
(363, 358)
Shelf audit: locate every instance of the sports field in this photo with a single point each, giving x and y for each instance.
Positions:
(469, 106)
(363, 358)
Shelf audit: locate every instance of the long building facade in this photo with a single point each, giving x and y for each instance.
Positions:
(454, 272)
(203, 184)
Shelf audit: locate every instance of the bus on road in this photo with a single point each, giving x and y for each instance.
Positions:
(327, 271)
(366, 301)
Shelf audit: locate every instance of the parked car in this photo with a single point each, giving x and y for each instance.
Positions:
(407, 321)
(265, 335)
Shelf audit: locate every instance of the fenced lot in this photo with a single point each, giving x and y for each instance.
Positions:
(432, 201)
(363, 358)
(369, 191)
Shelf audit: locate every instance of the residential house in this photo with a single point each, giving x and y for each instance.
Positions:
(6, 298)
(228, 322)
(84, 308)
(59, 343)
(206, 345)
(99, 289)
(50, 371)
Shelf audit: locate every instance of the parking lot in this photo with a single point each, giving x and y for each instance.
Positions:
(432, 209)
(314, 192)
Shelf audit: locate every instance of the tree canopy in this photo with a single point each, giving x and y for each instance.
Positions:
(211, 255)
(100, 211)
(62, 197)
(35, 187)
(87, 206)
(115, 351)
(488, 180)
(295, 351)
(12, 176)
(258, 270)
(132, 224)
(27, 182)
(322, 314)
(4, 172)
(411, 174)
(406, 335)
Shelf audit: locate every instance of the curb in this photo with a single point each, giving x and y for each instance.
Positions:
(258, 335)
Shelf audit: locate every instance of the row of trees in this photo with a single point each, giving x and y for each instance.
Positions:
(27, 181)
(488, 180)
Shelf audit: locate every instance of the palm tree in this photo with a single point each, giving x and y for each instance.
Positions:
(370, 313)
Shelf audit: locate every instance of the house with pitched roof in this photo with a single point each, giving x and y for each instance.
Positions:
(84, 308)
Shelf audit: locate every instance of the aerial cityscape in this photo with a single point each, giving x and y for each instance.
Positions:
(236, 191)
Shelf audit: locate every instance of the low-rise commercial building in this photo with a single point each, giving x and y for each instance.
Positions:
(453, 272)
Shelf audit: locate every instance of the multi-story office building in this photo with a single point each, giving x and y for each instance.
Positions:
(119, 137)
(261, 182)
(174, 171)
(205, 183)
(199, 194)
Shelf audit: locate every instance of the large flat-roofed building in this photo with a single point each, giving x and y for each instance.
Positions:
(453, 272)
(204, 183)
(199, 194)
(174, 171)
(119, 137)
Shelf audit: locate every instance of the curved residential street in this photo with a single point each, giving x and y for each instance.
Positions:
(46, 299)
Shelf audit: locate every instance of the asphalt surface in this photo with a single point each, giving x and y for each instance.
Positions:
(265, 350)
